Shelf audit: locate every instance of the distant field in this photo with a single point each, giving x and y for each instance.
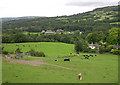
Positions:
(98, 69)
(49, 48)
(31, 33)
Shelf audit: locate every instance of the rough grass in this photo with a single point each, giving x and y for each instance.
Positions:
(100, 69)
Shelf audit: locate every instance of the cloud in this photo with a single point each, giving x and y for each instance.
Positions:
(93, 4)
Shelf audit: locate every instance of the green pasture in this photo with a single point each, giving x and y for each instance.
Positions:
(26, 33)
(49, 48)
(102, 68)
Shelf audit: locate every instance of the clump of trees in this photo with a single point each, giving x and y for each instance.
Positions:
(113, 36)
(95, 37)
(81, 46)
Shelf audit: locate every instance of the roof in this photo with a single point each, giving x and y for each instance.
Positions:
(49, 31)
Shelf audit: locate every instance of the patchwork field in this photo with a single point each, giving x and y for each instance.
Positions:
(102, 68)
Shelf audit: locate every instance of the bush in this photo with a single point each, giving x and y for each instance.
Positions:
(5, 52)
(101, 49)
(108, 49)
(81, 46)
(18, 50)
(93, 50)
(115, 51)
(38, 54)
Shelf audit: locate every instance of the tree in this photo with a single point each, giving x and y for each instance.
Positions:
(19, 37)
(95, 37)
(81, 45)
(6, 38)
(113, 37)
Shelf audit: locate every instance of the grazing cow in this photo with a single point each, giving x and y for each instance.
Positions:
(86, 57)
(91, 55)
(80, 76)
(95, 55)
(67, 59)
(56, 60)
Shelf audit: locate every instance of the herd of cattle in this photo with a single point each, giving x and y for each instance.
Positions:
(84, 57)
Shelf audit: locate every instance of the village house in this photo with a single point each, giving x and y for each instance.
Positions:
(59, 31)
(43, 31)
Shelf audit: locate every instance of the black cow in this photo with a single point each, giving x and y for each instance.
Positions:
(56, 60)
(66, 59)
(95, 55)
(86, 57)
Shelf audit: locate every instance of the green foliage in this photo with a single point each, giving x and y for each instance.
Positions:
(101, 49)
(113, 37)
(5, 52)
(38, 54)
(18, 50)
(6, 38)
(93, 50)
(81, 45)
(95, 37)
(115, 51)
(108, 49)
(19, 37)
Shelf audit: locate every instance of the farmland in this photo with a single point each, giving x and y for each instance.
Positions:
(49, 48)
(102, 68)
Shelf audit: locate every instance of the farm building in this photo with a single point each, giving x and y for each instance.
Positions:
(59, 31)
(43, 31)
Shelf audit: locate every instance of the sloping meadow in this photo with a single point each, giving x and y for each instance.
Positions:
(102, 68)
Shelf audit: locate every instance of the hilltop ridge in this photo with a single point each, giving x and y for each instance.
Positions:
(100, 19)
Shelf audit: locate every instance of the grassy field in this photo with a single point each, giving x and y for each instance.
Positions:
(31, 33)
(49, 48)
(99, 69)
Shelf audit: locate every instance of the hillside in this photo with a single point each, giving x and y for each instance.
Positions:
(100, 19)
(17, 18)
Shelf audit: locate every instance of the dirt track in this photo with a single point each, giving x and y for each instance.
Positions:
(34, 63)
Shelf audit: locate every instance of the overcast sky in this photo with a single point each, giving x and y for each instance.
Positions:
(49, 8)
